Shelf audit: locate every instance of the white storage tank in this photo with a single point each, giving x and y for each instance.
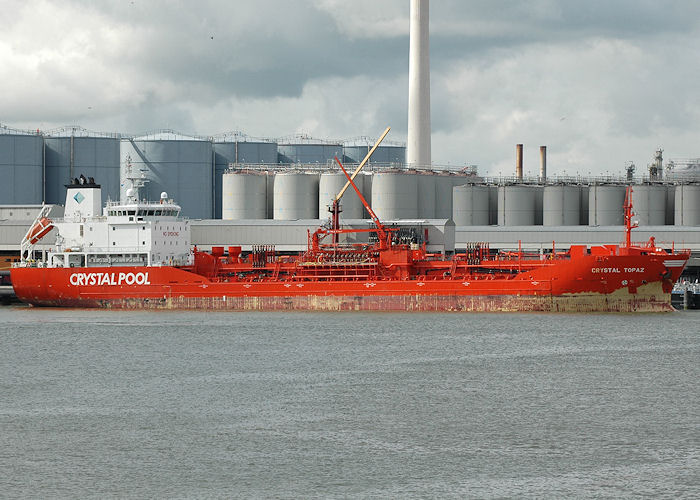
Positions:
(687, 205)
(649, 204)
(395, 195)
(426, 195)
(295, 196)
(330, 185)
(561, 205)
(244, 195)
(605, 205)
(470, 205)
(516, 205)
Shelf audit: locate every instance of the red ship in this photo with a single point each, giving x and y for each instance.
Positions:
(137, 255)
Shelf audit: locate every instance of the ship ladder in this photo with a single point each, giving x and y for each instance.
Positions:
(453, 268)
(276, 272)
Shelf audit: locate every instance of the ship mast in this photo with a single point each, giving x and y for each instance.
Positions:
(629, 224)
(137, 181)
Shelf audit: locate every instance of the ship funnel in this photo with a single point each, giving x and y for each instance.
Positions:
(418, 143)
(83, 199)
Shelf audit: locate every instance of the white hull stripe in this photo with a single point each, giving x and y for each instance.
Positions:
(674, 263)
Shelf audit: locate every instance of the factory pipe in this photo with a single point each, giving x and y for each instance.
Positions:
(543, 164)
(519, 162)
(418, 143)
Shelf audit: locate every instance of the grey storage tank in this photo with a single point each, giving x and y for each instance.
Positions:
(516, 205)
(670, 204)
(539, 204)
(385, 154)
(585, 191)
(395, 195)
(493, 204)
(239, 149)
(305, 150)
(180, 165)
(605, 205)
(470, 205)
(244, 195)
(21, 167)
(295, 196)
(444, 182)
(561, 205)
(330, 184)
(687, 205)
(74, 151)
(426, 194)
(649, 204)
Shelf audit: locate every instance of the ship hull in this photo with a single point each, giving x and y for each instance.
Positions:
(573, 286)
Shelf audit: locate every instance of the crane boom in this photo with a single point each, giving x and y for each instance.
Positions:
(359, 167)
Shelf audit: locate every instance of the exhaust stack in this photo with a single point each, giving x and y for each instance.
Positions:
(519, 162)
(543, 164)
(418, 143)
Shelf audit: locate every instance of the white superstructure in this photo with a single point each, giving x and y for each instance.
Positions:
(132, 232)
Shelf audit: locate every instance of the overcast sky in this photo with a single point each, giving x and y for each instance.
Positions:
(600, 82)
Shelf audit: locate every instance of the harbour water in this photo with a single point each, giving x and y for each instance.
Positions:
(300, 405)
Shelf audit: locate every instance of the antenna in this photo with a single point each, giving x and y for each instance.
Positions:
(137, 181)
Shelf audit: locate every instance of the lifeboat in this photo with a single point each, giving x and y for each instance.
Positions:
(39, 230)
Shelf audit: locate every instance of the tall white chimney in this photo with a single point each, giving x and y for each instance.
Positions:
(418, 144)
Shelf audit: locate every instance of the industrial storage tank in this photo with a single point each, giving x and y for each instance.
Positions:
(244, 195)
(237, 148)
(561, 205)
(330, 184)
(179, 165)
(426, 195)
(270, 194)
(470, 205)
(539, 203)
(584, 192)
(649, 202)
(385, 154)
(605, 205)
(516, 205)
(21, 167)
(493, 204)
(74, 151)
(305, 150)
(367, 192)
(444, 182)
(295, 196)
(687, 205)
(670, 204)
(395, 195)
